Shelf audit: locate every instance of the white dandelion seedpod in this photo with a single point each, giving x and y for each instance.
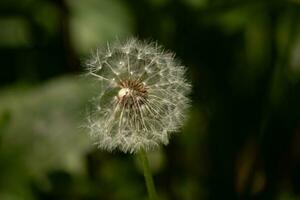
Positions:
(142, 96)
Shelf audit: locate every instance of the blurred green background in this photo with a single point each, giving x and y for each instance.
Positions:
(242, 140)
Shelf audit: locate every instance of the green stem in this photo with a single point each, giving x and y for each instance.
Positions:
(147, 174)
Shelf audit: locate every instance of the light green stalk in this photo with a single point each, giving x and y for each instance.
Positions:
(148, 175)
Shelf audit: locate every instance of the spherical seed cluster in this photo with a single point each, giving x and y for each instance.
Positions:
(142, 96)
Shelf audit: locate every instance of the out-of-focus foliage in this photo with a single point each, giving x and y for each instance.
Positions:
(40, 132)
(242, 138)
(94, 22)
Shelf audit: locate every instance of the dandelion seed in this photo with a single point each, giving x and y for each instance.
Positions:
(147, 102)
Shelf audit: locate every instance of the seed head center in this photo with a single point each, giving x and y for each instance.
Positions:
(132, 94)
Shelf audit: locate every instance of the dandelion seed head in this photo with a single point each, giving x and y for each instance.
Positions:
(142, 97)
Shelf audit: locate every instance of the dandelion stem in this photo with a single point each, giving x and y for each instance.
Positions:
(147, 174)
